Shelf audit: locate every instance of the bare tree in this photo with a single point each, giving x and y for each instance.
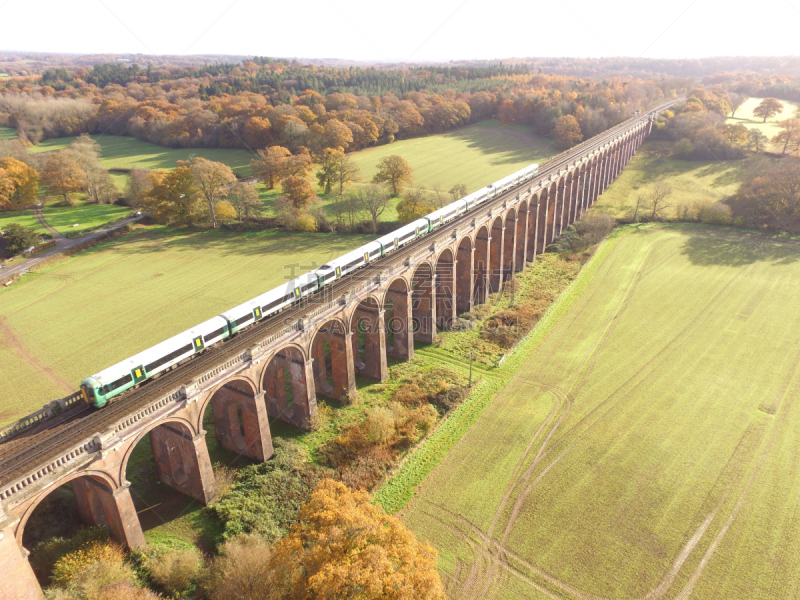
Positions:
(458, 191)
(374, 199)
(657, 198)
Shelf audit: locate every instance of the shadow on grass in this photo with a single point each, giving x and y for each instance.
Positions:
(492, 137)
(720, 246)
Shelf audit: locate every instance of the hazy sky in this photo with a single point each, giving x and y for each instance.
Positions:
(405, 29)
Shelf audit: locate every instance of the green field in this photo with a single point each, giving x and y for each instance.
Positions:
(8, 133)
(647, 447)
(23, 217)
(93, 309)
(691, 181)
(475, 155)
(122, 152)
(744, 115)
(86, 216)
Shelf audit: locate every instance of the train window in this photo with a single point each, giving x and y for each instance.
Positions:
(168, 358)
(352, 264)
(116, 384)
(243, 319)
(375, 252)
(406, 236)
(214, 334)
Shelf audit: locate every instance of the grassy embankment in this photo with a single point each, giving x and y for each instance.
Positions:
(645, 435)
(744, 115)
(691, 181)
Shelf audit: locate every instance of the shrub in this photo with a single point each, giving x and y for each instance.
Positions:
(174, 571)
(70, 565)
(380, 425)
(47, 553)
(716, 214)
(103, 581)
(305, 222)
(683, 148)
(241, 570)
(225, 477)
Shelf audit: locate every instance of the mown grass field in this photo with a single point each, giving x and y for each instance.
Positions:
(647, 447)
(691, 181)
(88, 311)
(744, 115)
(8, 133)
(86, 216)
(122, 152)
(475, 155)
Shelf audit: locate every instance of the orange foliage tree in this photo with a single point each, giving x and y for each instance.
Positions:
(567, 132)
(21, 183)
(344, 547)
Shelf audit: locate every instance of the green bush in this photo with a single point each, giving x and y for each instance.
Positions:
(174, 570)
(47, 553)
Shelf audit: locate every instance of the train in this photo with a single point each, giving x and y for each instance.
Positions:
(102, 387)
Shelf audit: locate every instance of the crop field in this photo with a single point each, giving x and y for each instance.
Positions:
(744, 115)
(90, 310)
(691, 181)
(475, 155)
(122, 152)
(647, 446)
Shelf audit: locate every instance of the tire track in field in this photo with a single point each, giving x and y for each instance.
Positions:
(9, 339)
(498, 555)
(515, 481)
(583, 373)
(613, 399)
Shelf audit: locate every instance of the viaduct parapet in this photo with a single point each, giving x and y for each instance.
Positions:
(276, 368)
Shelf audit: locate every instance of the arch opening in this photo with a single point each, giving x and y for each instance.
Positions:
(398, 321)
(238, 419)
(464, 275)
(289, 387)
(333, 365)
(496, 255)
(481, 272)
(445, 290)
(509, 243)
(423, 304)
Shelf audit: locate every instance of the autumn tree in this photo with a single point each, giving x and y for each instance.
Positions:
(98, 186)
(789, 136)
(756, 141)
(343, 546)
(775, 195)
(276, 163)
(396, 172)
(172, 199)
(212, 180)
(374, 199)
(768, 107)
(736, 100)
(458, 191)
(336, 168)
(245, 201)
(139, 185)
(298, 191)
(414, 205)
(22, 184)
(63, 175)
(735, 134)
(567, 132)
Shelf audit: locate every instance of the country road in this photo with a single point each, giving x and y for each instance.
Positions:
(62, 244)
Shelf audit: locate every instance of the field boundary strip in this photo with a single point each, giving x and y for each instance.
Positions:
(396, 493)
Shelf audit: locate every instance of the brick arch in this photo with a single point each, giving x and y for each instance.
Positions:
(552, 206)
(240, 417)
(465, 273)
(496, 253)
(369, 338)
(509, 244)
(397, 305)
(423, 302)
(445, 288)
(331, 349)
(521, 235)
(102, 478)
(287, 380)
(180, 456)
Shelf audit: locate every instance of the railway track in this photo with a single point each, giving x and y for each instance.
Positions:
(28, 451)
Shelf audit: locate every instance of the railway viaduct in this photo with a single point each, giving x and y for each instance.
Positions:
(277, 367)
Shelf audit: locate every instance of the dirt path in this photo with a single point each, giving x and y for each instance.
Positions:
(9, 339)
(40, 217)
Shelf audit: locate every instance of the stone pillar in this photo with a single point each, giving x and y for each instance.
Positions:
(99, 505)
(465, 275)
(302, 408)
(182, 462)
(248, 434)
(19, 581)
(552, 206)
(343, 372)
(401, 325)
(496, 257)
(521, 241)
(566, 200)
(372, 318)
(509, 250)
(578, 203)
(445, 294)
(541, 224)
